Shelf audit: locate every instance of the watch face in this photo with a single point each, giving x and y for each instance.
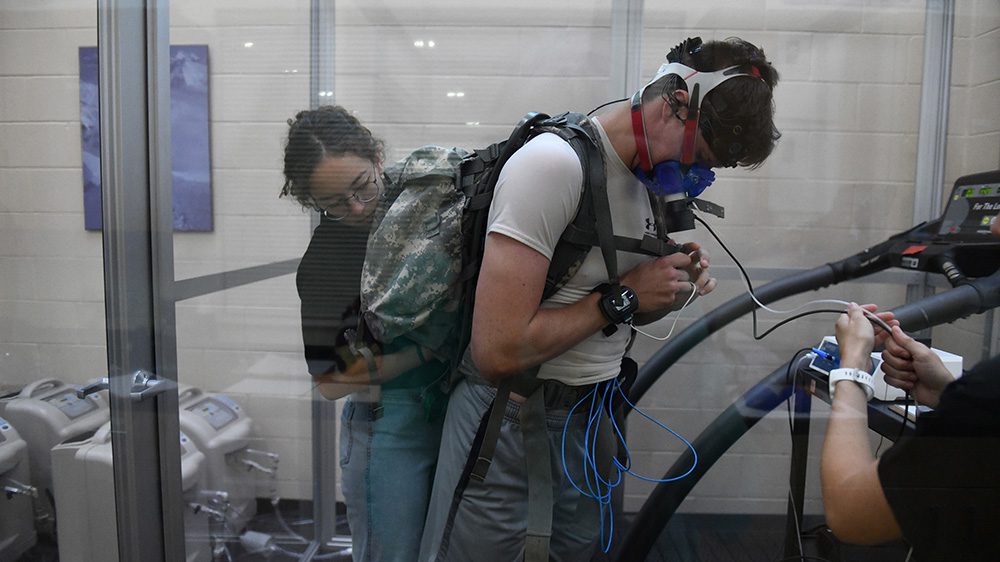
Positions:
(627, 301)
(618, 304)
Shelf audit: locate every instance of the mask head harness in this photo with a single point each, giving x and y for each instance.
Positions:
(698, 83)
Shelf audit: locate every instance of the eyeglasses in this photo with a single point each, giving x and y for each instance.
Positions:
(340, 209)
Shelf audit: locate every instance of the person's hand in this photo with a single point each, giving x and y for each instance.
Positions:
(339, 380)
(354, 371)
(855, 337)
(657, 281)
(698, 270)
(912, 366)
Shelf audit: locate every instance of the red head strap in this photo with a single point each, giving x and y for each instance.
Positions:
(699, 85)
(639, 131)
(691, 126)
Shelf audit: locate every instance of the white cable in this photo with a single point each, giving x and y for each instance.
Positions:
(746, 281)
(795, 516)
(694, 291)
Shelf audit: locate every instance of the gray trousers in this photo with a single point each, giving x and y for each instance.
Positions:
(489, 522)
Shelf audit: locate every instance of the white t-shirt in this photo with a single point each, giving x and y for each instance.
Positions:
(536, 198)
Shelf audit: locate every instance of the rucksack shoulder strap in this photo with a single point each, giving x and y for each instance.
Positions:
(493, 157)
(594, 212)
(592, 226)
(647, 245)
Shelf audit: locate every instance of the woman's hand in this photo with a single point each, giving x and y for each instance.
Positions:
(913, 367)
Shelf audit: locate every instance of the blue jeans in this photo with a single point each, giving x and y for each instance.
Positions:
(388, 453)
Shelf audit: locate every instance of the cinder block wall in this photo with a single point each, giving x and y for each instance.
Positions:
(51, 279)
(841, 179)
(973, 143)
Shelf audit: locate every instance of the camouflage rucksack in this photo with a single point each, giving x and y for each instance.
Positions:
(428, 234)
(408, 282)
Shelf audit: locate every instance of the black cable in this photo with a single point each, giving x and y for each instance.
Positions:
(902, 427)
(791, 431)
(906, 406)
(726, 248)
(794, 361)
(746, 276)
(796, 317)
(790, 380)
(605, 105)
(753, 312)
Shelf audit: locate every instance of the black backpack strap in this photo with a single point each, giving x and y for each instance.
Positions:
(580, 236)
(649, 245)
(489, 431)
(477, 177)
(496, 155)
(597, 182)
(538, 465)
(536, 451)
(524, 384)
(592, 224)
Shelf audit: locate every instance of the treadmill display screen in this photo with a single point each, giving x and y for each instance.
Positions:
(971, 210)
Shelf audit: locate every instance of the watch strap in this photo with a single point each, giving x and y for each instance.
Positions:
(611, 313)
(603, 288)
(862, 378)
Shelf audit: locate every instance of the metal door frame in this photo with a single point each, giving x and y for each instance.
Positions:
(133, 47)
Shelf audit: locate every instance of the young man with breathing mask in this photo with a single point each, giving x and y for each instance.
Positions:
(710, 106)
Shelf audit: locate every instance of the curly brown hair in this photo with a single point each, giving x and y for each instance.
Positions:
(315, 134)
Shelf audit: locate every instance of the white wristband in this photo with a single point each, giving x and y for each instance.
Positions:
(864, 379)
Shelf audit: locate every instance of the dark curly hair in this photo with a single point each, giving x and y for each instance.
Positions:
(315, 134)
(737, 117)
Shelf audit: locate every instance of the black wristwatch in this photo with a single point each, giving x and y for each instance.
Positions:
(618, 303)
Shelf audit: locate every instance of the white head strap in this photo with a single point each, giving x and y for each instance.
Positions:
(705, 81)
(699, 84)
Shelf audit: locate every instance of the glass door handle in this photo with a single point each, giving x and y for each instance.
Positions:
(93, 386)
(145, 385)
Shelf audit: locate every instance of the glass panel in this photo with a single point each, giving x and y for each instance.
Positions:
(840, 179)
(239, 71)
(245, 405)
(55, 450)
(973, 146)
(444, 74)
